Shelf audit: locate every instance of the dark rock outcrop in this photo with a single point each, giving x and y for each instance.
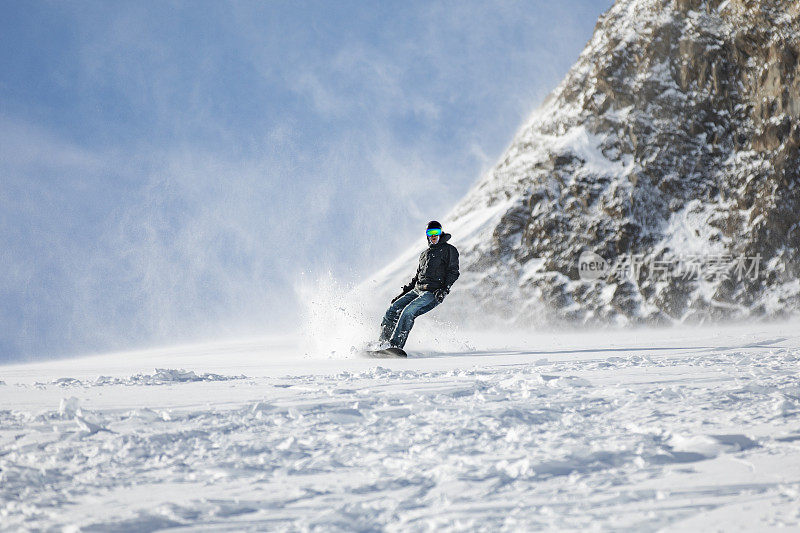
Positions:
(674, 140)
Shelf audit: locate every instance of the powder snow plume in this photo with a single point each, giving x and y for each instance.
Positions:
(336, 321)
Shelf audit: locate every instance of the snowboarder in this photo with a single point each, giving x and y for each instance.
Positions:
(437, 271)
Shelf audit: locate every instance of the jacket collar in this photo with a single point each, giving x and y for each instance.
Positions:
(442, 239)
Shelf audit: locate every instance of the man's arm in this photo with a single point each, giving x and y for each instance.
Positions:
(411, 283)
(452, 269)
(408, 287)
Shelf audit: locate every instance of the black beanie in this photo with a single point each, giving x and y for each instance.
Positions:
(434, 225)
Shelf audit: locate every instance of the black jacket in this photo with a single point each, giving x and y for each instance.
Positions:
(438, 267)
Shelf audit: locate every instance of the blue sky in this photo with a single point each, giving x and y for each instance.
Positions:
(169, 169)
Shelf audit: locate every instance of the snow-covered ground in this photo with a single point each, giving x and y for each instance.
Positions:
(674, 429)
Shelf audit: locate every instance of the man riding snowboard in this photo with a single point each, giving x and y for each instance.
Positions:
(437, 271)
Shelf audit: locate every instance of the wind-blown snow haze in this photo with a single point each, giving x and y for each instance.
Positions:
(170, 170)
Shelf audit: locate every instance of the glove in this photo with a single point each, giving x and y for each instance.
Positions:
(399, 296)
(405, 289)
(440, 294)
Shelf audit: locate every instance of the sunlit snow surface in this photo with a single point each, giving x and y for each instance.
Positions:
(687, 429)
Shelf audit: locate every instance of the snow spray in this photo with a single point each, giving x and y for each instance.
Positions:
(335, 322)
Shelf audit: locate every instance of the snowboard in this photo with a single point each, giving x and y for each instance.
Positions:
(387, 353)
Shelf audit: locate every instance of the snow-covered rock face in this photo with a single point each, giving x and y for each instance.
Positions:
(675, 136)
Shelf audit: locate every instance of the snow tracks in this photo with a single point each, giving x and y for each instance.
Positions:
(633, 441)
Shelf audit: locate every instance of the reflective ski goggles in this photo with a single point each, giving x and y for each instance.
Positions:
(434, 231)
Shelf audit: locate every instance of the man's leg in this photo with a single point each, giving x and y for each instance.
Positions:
(393, 313)
(421, 304)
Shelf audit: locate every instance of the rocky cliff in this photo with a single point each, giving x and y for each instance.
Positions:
(673, 142)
